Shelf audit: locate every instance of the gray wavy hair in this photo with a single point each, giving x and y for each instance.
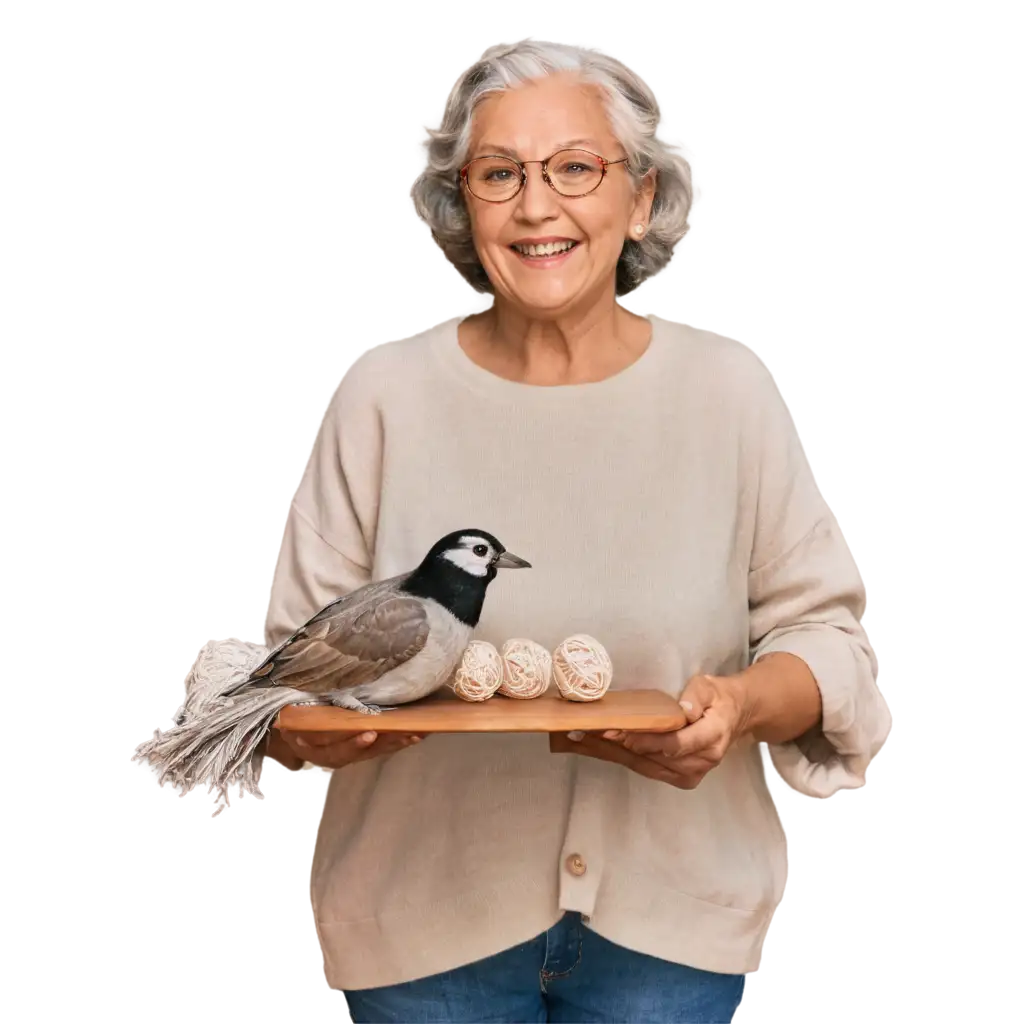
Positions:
(633, 113)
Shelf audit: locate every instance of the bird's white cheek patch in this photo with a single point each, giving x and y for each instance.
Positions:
(465, 559)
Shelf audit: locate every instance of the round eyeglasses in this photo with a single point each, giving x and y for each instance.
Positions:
(570, 172)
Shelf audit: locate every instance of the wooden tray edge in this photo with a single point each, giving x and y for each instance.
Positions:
(522, 717)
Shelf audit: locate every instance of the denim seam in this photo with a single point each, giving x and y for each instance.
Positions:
(547, 975)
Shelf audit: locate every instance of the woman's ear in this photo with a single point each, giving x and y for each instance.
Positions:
(645, 196)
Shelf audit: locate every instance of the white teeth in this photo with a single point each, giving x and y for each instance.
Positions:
(547, 249)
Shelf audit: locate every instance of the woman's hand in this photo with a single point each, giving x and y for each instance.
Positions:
(718, 712)
(774, 700)
(335, 749)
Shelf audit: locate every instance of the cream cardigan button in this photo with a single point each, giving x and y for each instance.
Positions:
(575, 864)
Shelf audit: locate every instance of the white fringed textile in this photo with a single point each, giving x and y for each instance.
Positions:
(582, 668)
(525, 668)
(479, 673)
(216, 740)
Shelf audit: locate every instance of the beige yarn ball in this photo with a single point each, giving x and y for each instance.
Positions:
(479, 673)
(525, 669)
(582, 668)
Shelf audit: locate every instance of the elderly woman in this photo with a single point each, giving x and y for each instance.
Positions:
(652, 475)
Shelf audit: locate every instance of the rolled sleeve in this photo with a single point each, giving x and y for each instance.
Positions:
(807, 598)
(809, 603)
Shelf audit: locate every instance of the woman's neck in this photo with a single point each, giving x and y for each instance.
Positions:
(577, 348)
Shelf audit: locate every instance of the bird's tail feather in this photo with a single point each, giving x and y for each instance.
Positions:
(217, 732)
(219, 746)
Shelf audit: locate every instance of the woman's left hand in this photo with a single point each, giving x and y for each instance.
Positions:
(717, 709)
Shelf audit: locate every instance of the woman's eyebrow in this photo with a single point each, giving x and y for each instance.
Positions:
(489, 147)
(577, 142)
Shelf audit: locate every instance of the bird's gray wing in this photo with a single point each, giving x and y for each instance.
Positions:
(362, 596)
(348, 643)
(354, 601)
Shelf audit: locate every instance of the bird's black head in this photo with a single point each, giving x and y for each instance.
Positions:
(457, 569)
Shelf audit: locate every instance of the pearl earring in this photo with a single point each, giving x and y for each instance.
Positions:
(639, 229)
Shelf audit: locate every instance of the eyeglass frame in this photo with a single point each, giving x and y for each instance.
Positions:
(521, 164)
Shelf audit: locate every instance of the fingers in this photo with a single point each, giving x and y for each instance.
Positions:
(707, 734)
(692, 702)
(702, 735)
(385, 743)
(698, 694)
(685, 773)
(334, 750)
(314, 740)
(692, 710)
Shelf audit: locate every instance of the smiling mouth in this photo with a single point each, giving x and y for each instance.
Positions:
(545, 251)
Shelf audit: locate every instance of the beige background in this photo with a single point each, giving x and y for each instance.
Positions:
(204, 219)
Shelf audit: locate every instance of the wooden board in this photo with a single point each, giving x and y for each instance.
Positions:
(633, 710)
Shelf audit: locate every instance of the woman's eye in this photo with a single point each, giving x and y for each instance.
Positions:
(480, 549)
(499, 175)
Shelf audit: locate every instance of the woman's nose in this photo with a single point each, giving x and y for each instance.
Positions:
(537, 199)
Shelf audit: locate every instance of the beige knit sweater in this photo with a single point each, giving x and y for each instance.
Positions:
(669, 511)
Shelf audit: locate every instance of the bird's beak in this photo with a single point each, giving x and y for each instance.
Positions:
(506, 560)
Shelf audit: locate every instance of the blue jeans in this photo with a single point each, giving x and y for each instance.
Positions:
(568, 973)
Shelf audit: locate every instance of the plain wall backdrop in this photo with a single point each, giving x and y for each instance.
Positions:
(204, 219)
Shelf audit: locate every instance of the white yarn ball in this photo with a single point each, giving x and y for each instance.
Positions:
(582, 668)
(219, 666)
(525, 668)
(479, 673)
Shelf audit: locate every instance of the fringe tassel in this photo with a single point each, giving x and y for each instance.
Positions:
(217, 740)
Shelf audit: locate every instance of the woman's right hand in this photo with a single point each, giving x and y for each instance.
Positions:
(337, 749)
